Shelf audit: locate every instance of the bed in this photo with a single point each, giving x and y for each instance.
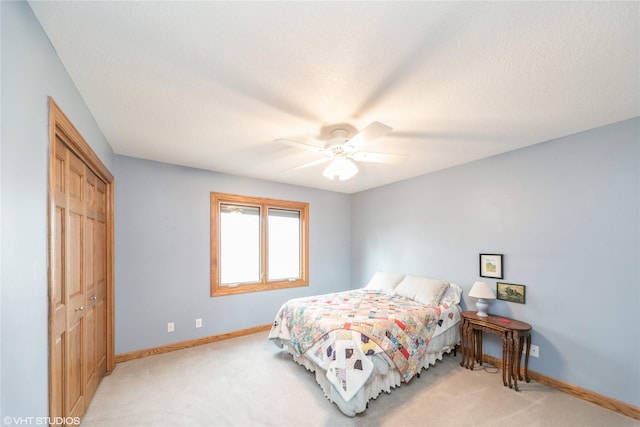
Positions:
(362, 342)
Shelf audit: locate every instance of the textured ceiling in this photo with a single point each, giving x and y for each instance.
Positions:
(211, 85)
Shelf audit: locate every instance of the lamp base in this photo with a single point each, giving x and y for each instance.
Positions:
(482, 307)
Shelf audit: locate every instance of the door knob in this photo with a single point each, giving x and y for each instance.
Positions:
(80, 308)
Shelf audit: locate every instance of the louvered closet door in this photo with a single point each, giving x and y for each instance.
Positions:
(77, 297)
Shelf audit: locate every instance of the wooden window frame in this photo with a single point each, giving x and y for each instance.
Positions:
(264, 284)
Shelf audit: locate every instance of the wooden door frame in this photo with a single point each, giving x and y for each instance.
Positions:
(59, 124)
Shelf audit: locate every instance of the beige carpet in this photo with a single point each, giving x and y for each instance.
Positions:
(248, 381)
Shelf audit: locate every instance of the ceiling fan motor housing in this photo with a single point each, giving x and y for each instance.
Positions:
(339, 137)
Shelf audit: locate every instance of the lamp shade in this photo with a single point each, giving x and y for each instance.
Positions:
(341, 167)
(482, 290)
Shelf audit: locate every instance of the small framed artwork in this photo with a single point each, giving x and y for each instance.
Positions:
(491, 265)
(510, 292)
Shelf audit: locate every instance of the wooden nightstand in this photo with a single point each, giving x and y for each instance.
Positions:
(513, 332)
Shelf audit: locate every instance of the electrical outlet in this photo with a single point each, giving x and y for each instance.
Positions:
(170, 327)
(198, 323)
(535, 351)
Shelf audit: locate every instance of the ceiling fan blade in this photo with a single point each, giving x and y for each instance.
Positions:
(374, 131)
(306, 165)
(302, 145)
(364, 156)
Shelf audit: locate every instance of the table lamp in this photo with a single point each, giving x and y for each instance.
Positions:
(482, 291)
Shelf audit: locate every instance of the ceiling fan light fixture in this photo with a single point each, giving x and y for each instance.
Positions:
(341, 167)
(342, 146)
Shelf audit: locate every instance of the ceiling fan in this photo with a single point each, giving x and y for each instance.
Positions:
(342, 146)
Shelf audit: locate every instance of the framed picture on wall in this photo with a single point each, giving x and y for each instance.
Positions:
(510, 292)
(491, 265)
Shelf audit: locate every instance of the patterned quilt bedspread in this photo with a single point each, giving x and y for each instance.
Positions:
(352, 324)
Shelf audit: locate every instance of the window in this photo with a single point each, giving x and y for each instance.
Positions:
(257, 244)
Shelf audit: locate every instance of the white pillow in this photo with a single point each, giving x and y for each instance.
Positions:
(452, 295)
(422, 289)
(382, 281)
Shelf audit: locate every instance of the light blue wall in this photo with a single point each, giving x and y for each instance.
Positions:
(31, 71)
(162, 253)
(566, 216)
(565, 213)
